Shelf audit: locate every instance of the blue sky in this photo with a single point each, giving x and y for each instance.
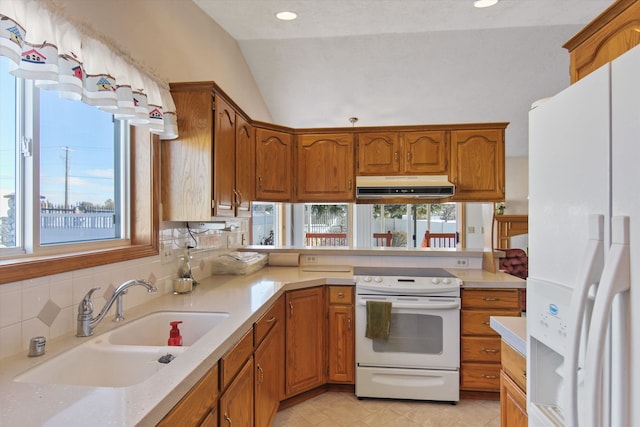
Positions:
(83, 132)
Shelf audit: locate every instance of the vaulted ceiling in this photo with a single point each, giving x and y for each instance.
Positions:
(392, 62)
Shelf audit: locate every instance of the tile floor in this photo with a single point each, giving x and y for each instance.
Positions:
(335, 409)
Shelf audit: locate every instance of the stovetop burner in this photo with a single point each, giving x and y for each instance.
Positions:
(401, 272)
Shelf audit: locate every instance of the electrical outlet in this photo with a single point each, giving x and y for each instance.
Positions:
(166, 253)
(462, 262)
(471, 229)
(310, 259)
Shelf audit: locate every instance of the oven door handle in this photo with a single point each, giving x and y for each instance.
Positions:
(421, 306)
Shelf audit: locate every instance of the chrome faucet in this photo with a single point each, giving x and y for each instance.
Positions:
(85, 310)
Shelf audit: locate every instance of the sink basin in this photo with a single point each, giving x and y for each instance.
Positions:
(153, 329)
(98, 364)
(126, 355)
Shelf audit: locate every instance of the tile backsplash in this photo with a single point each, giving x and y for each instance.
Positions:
(47, 306)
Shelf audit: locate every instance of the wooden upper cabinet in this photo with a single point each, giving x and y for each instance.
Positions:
(425, 152)
(477, 164)
(403, 153)
(224, 159)
(378, 153)
(326, 169)
(245, 167)
(613, 32)
(187, 167)
(274, 163)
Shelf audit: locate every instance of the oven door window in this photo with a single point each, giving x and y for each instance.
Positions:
(413, 333)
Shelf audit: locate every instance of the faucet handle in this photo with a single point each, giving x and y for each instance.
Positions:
(86, 306)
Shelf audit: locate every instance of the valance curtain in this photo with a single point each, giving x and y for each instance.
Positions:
(58, 55)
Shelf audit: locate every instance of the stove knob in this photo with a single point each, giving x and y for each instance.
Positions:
(435, 281)
(367, 279)
(377, 279)
(446, 281)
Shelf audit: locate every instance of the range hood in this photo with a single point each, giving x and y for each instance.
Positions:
(419, 187)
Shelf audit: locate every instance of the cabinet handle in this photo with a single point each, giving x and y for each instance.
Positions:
(350, 184)
(489, 377)
(260, 182)
(396, 157)
(238, 197)
(290, 310)
(271, 319)
(484, 322)
(490, 299)
(340, 295)
(524, 374)
(409, 156)
(226, 417)
(261, 376)
(490, 350)
(349, 323)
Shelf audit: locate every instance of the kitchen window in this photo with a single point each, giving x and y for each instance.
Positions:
(63, 173)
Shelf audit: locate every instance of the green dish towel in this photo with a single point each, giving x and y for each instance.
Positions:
(378, 319)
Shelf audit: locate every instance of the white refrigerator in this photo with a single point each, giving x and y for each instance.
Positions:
(583, 357)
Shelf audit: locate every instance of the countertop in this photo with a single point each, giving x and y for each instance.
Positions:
(513, 331)
(246, 298)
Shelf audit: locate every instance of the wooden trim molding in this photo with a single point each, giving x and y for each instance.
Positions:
(145, 225)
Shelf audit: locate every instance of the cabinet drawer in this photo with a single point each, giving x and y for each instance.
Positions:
(197, 402)
(340, 294)
(480, 349)
(515, 365)
(234, 359)
(476, 322)
(268, 321)
(491, 298)
(480, 376)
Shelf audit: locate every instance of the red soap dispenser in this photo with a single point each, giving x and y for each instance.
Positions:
(174, 334)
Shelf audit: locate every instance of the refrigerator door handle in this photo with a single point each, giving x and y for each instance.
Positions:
(590, 274)
(616, 279)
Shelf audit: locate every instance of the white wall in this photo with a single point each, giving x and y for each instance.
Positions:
(177, 41)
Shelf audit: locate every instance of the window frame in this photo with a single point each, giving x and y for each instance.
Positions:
(144, 153)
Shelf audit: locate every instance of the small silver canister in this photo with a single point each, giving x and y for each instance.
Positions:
(182, 285)
(36, 346)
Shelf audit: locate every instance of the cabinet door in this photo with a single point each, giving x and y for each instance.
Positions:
(274, 163)
(187, 168)
(341, 344)
(513, 403)
(325, 167)
(197, 403)
(477, 164)
(224, 159)
(378, 153)
(425, 152)
(236, 404)
(245, 167)
(304, 326)
(269, 376)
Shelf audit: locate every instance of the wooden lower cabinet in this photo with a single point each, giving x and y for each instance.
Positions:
(341, 332)
(197, 405)
(304, 339)
(236, 403)
(269, 365)
(513, 386)
(480, 350)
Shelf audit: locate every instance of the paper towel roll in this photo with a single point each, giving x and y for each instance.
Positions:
(285, 259)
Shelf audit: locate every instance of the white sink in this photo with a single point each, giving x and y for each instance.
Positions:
(97, 364)
(153, 329)
(126, 355)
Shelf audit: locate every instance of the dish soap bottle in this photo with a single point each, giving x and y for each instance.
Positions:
(175, 339)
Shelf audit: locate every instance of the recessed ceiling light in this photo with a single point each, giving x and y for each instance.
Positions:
(484, 3)
(286, 16)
